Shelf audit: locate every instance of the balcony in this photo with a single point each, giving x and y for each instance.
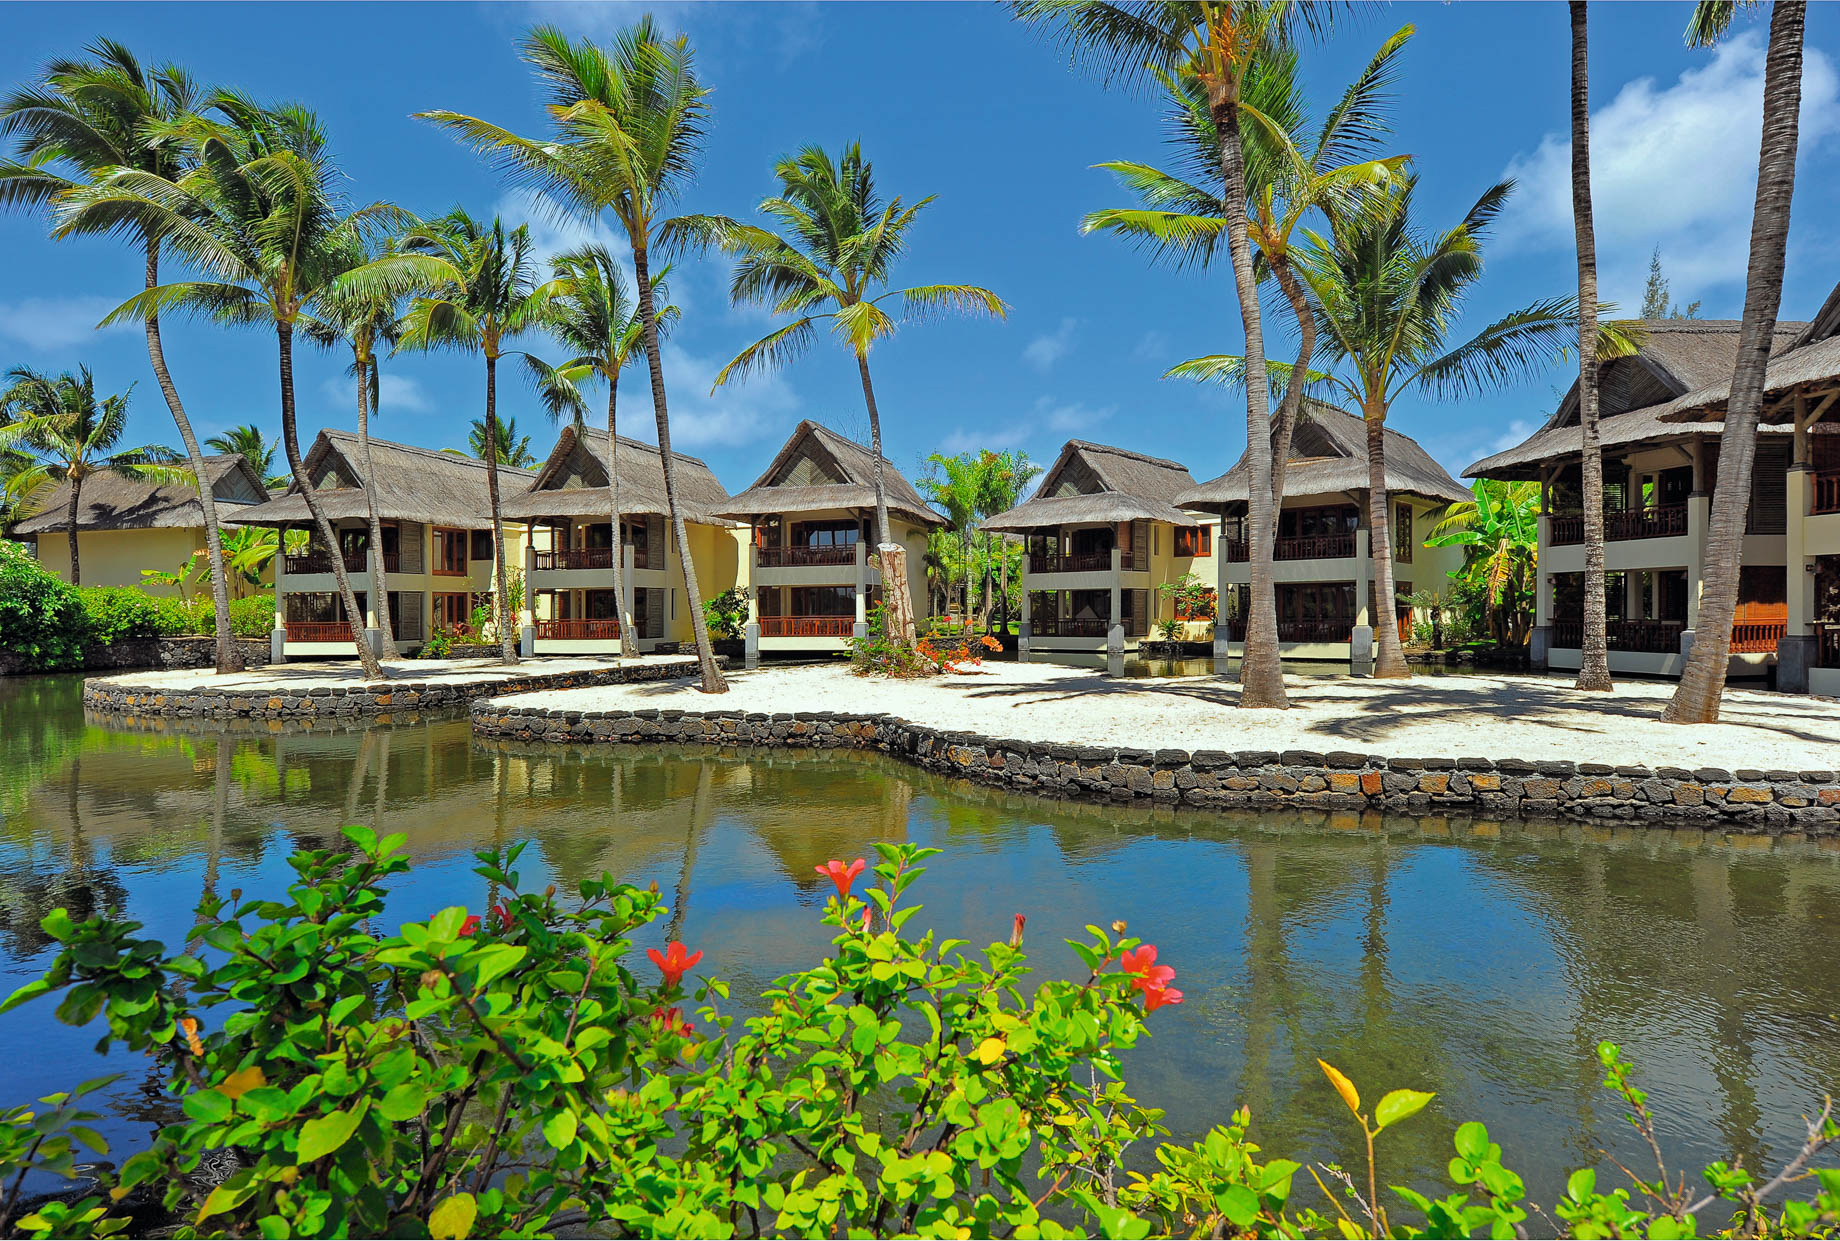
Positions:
(1069, 627)
(588, 558)
(320, 562)
(318, 631)
(1757, 637)
(1315, 547)
(1657, 521)
(1085, 562)
(1652, 637)
(1827, 646)
(605, 630)
(1826, 497)
(801, 557)
(807, 626)
(1339, 629)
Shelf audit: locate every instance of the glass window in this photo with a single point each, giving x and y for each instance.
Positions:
(450, 551)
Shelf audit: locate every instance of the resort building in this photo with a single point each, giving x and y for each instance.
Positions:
(437, 543)
(811, 531)
(1101, 534)
(572, 607)
(1323, 557)
(1661, 416)
(125, 525)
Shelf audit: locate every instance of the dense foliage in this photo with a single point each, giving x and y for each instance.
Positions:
(511, 1074)
(877, 653)
(726, 614)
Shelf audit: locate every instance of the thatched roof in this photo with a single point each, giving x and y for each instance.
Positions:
(820, 469)
(1678, 356)
(111, 502)
(572, 482)
(1100, 483)
(1328, 455)
(1811, 364)
(412, 484)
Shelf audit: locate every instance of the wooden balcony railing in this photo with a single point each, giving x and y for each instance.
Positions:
(1567, 530)
(1657, 521)
(1827, 646)
(1087, 562)
(606, 630)
(1652, 637)
(320, 562)
(1315, 547)
(1757, 637)
(1826, 498)
(319, 631)
(1334, 630)
(1070, 627)
(577, 558)
(807, 626)
(793, 557)
(1235, 551)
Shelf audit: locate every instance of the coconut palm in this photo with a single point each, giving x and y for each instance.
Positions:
(1008, 475)
(837, 242)
(493, 297)
(1594, 660)
(1702, 681)
(255, 448)
(1386, 301)
(1216, 42)
(596, 316)
(70, 436)
(259, 216)
(508, 447)
(83, 121)
(960, 485)
(629, 120)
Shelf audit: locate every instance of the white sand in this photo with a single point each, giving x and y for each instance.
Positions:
(297, 678)
(1491, 717)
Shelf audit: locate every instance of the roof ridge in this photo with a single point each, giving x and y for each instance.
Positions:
(649, 447)
(1127, 452)
(439, 454)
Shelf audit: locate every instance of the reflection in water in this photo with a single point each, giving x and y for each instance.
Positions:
(1480, 960)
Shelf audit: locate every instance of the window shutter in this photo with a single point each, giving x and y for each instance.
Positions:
(654, 614)
(409, 548)
(1769, 511)
(481, 545)
(1140, 543)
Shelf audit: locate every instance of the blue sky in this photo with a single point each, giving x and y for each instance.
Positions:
(958, 101)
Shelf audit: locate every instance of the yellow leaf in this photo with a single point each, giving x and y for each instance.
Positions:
(1343, 1086)
(119, 1192)
(242, 1082)
(453, 1217)
(990, 1050)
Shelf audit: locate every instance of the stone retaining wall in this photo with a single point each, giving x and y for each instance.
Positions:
(1805, 803)
(285, 702)
(186, 652)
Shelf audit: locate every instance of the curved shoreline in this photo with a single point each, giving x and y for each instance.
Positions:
(1784, 803)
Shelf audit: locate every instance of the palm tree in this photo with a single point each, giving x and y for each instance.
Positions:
(508, 448)
(86, 120)
(59, 421)
(837, 244)
(254, 448)
(958, 485)
(596, 316)
(258, 214)
(1594, 660)
(1216, 42)
(630, 119)
(1386, 300)
(493, 297)
(1702, 682)
(1007, 477)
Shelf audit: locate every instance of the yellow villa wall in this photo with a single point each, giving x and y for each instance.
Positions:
(116, 557)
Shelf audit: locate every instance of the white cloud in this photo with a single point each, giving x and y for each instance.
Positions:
(396, 394)
(1671, 165)
(49, 324)
(1048, 422)
(734, 414)
(1151, 346)
(1045, 350)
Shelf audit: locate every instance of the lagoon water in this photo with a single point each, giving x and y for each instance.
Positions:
(1483, 961)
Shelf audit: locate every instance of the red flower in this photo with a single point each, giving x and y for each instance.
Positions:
(1138, 960)
(1148, 976)
(673, 1021)
(1156, 997)
(841, 875)
(1015, 931)
(501, 913)
(868, 914)
(470, 926)
(672, 962)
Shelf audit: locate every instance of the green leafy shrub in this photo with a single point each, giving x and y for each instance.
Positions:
(1170, 629)
(117, 613)
(41, 617)
(726, 614)
(253, 617)
(440, 644)
(512, 1074)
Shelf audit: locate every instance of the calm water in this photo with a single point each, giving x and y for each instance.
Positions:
(1483, 961)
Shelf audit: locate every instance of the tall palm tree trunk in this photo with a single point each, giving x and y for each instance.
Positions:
(1390, 656)
(229, 653)
(501, 594)
(70, 526)
(1702, 683)
(713, 681)
(1261, 673)
(1292, 405)
(1594, 662)
(380, 582)
(290, 441)
(897, 601)
(629, 641)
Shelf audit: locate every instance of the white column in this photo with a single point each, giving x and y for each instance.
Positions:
(750, 633)
(1027, 628)
(277, 638)
(527, 634)
(861, 628)
(1114, 637)
(1221, 586)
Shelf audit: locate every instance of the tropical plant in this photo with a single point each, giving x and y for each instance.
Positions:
(255, 448)
(510, 449)
(726, 613)
(1594, 658)
(179, 579)
(629, 121)
(1702, 682)
(41, 617)
(1005, 477)
(490, 296)
(72, 438)
(1500, 533)
(956, 484)
(79, 129)
(836, 245)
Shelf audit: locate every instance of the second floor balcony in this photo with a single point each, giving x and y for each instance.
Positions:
(804, 555)
(1824, 494)
(1654, 521)
(589, 558)
(1083, 562)
(1298, 547)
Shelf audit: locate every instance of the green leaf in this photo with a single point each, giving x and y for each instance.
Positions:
(559, 1129)
(1581, 1184)
(404, 1102)
(1472, 1141)
(31, 991)
(322, 1135)
(1400, 1105)
(227, 1196)
(57, 924)
(207, 1105)
(494, 961)
(453, 1217)
(1238, 1204)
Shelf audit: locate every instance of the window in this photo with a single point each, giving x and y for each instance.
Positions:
(450, 552)
(1194, 540)
(824, 601)
(825, 533)
(452, 609)
(482, 545)
(1155, 543)
(1402, 533)
(1310, 522)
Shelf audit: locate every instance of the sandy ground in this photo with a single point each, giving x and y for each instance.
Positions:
(1493, 717)
(305, 676)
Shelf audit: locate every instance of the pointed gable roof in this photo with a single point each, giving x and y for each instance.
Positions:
(412, 484)
(1091, 482)
(572, 481)
(114, 502)
(1329, 454)
(817, 469)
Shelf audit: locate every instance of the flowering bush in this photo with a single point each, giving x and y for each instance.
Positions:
(510, 1074)
(933, 655)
